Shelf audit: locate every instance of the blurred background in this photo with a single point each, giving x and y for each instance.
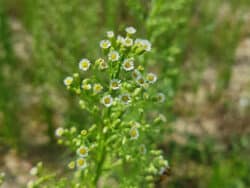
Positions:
(201, 52)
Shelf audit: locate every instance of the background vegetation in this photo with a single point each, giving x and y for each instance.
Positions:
(201, 50)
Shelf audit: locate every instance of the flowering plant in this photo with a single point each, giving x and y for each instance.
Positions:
(119, 145)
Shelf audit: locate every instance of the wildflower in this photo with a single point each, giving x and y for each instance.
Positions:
(59, 132)
(134, 133)
(84, 64)
(140, 81)
(143, 44)
(107, 100)
(160, 97)
(142, 149)
(136, 73)
(130, 30)
(33, 171)
(82, 151)
(71, 165)
(125, 98)
(105, 44)
(31, 184)
(86, 86)
(110, 34)
(68, 81)
(97, 88)
(102, 64)
(128, 42)
(81, 163)
(113, 56)
(151, 78)
(120, 39)
(146, 45)
(115, 84)
(128, 64)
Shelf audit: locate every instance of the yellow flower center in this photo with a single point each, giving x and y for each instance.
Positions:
(82, 151)
(107, 100)
(133, 133)
(80, 162)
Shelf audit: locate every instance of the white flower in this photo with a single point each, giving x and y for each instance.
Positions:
(160, 97)
(81, 163)
(140, 81)
(110, 34)
(105, 44)
(113, 56)
(136, 73)
(134, 133)
(143, 43)
(120, 39)
(128, 42)
(125, 98)
(84, 64)
(115, 84)
(130, 30)
(59, 132)
(97, 88)
(102, 64)
(146, 45)
(86, 86)
(128, 64)
(68, 81)
(33, 171)
(151, 78)
(82, 151)
(107, 100)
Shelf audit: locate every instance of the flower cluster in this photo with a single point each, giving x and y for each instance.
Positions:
(115, 90)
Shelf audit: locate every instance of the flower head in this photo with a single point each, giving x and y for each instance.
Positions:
(110, 34)
(102, 64)
(59, 132)
(140, 81)
(84, 64)
(68, 81)
(136, 73)
(143, 44)
(105, 44)
(128, 42)
(120, 39)
(134, 133)
(71, 165)
(113, 56)
(86, 86)
(128, 64)
(82, 151)
(151, 78)
(130, 30)
(97, 88)
(160, 97)
(125, 98)
(115, 84)
(81, 163)
(107, 100)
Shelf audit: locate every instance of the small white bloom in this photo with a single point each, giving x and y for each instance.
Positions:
(120, 39)
(160, 97)
(110, 34)
(33, 171)
(125, 98)
(115, 84)
(68, 81)
(82, 151)
(105, 44)
(97, 88)
(128, 64)
(59, 132)
(134, 133)
(81, 163)
(107, 100)
(128, 42)
(136, 73)
(130, 30)
(151, 78)
(86, 86)
(140, 81)
(30, 184)
(146, 45)
(113, 56)
(84, 64)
